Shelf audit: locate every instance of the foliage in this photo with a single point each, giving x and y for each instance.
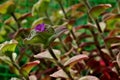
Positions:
(61, 39)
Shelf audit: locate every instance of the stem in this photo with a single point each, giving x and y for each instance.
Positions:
(97, 44)
(16, 20)
(59, 64)
(60, 3)
(12, 28)
(109, 50)
(71, 31)
(100, 31)
(98, 26)
(87, 4)
(46, 13)
(65, 48)
(52, 54)
(18, 68)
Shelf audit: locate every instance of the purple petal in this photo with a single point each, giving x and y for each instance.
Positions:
(40, 27)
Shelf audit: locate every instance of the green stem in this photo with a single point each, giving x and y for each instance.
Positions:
(71, 31)
(59, 64)
(46, 13)
(65, 48)
(16, 20)
(63, 44)
(60, 3)
(87, 4)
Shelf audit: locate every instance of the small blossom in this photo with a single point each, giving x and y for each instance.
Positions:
(40, 27)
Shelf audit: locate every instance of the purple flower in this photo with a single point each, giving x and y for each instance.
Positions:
(40, 27)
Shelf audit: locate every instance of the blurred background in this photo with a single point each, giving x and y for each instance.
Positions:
(25, 6)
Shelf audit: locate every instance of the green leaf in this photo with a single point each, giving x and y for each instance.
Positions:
(6, 60)
(46, 37)
(7, 7)
(40, 7)
(82, 20)
(39, 38)
(97, 10)
(57, 16)
(111, 21)
(9, 21)
(58, 32)
(14, 69)
(25, 69)
(8, 46)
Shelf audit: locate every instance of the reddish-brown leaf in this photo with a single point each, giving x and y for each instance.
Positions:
(86, 44)
(59, 74)
(112, 40)
(89, 27)
(98, 10)
(114, 32)
(24, 16)
(75, 59)
(89, 78)
(25, 69)
(118, 59)
(47, 55)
